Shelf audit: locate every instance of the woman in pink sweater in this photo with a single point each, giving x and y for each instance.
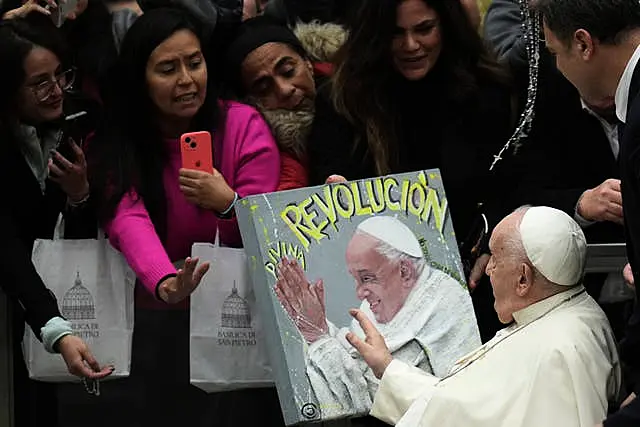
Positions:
(153, 210)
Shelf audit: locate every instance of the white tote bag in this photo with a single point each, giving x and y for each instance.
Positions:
(228, 351)
(94, 287)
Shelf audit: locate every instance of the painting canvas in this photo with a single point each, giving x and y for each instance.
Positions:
(384, 245)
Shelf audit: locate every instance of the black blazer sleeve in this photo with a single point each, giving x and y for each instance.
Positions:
(503, 31)
(20, 281)
(293, 11)
(629, 416)
(547, 180)
(568, 151)
(310, 10)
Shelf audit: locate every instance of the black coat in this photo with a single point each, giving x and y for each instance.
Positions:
(460, 140)
(567, 153)
(27, 214)
(292, 11)
(630, 175)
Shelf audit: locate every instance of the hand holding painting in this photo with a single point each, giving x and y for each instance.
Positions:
(304, 302)
(335, 179)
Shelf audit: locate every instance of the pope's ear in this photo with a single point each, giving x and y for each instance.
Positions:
(525, 279)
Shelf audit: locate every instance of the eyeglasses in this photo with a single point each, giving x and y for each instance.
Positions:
(43, 91)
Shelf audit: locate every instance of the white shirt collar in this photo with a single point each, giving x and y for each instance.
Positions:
(589, 110)
(622, 93)
(585, 106)
(535, 311)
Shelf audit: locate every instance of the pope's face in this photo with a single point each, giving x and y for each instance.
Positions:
(503, 270)
(379, 281)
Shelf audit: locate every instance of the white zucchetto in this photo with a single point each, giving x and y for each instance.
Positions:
(393, 232)
(555, 244)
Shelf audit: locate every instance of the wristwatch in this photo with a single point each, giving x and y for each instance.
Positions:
(230, 211)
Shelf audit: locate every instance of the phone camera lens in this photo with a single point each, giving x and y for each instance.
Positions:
(187, 140)
(193, 145)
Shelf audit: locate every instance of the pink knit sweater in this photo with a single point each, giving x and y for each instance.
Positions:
(245, 154)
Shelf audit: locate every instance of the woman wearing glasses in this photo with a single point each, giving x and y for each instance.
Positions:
(38, 183)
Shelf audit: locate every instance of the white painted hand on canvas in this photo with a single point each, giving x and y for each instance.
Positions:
(303, 301)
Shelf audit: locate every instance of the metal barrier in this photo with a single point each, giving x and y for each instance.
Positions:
(606, 258)
(6, 364)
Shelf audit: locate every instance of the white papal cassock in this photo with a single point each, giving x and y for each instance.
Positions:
(557, 365)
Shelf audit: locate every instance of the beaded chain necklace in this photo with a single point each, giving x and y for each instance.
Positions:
(531, 27)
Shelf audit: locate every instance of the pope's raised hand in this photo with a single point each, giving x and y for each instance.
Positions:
(373, 349)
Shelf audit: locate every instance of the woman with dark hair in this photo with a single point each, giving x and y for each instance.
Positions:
(414, 88)
(154, 211)
(95, 38)
(38, 183)
(97, 34)
(93, 33)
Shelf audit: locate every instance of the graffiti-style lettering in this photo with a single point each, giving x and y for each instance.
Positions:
(284, 250)
(309, 219)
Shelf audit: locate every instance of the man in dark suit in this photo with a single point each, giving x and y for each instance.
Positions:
(577, 142)
(596, 45)
(574, 137)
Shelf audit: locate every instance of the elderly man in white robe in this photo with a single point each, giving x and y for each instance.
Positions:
(425, 315)
(555, 365)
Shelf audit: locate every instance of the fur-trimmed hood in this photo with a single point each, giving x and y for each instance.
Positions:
(321, 41)
(290, 129)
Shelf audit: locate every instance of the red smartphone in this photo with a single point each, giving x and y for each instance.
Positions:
(197, 151)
